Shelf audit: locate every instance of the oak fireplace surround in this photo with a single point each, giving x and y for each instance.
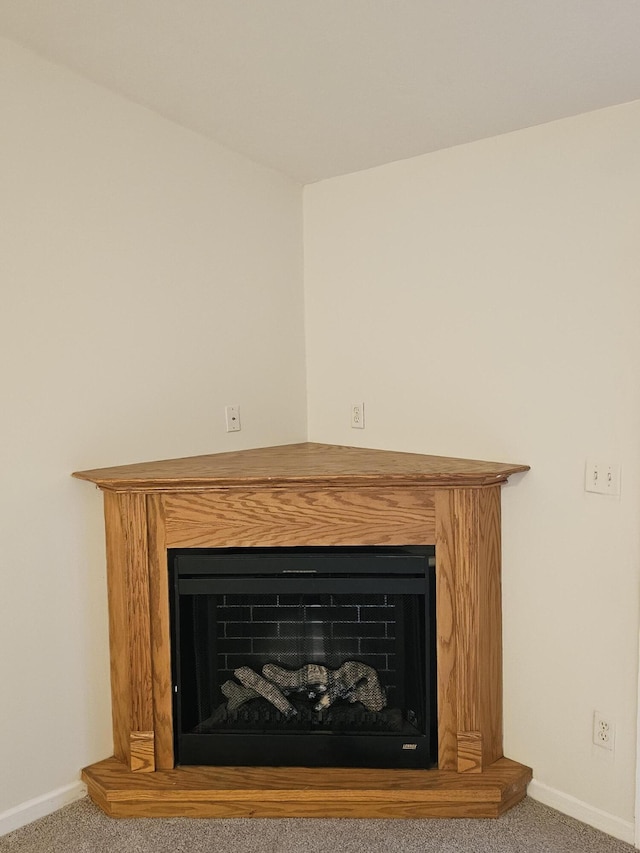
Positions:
(306, 495)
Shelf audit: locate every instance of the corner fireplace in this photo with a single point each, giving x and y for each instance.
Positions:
(316, 657)
(309, 496)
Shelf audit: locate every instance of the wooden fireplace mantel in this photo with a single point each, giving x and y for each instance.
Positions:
(301, 495)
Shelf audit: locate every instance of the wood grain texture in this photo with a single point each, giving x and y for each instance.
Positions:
(490, 623)
(129, 630)
(289, 517)
(469, 620)
(302, 792)
(446, 628)
(464, 517)
(160, 639)
(469, 752)
(284, 808)
(446, 639)
(118, 626)
(135, 510)
(142, 752)
(308, 463)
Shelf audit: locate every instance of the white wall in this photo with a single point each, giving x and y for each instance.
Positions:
(484, 301)
(147, 278)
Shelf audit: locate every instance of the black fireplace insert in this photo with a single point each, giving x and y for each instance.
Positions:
(317, 657)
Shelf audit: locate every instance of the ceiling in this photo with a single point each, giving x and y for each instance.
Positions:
(318, 88)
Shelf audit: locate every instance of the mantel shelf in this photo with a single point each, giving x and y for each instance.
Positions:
(301, 464)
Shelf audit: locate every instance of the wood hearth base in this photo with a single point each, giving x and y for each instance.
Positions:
(276, 792)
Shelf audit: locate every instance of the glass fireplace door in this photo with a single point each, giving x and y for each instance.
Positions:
(312, 659)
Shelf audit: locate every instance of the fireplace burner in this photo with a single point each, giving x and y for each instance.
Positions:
(304, 656)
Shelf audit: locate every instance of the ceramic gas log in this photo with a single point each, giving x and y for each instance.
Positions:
(353, 682)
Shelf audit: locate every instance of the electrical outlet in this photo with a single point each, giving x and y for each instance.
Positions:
(603, 731)
(357, 415)
(232, 418)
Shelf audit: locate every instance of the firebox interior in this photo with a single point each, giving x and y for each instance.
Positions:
(304, 656)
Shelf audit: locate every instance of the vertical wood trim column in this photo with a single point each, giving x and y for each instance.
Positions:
(160, 634)
(447, 681)
(490, 615)
(129, 623)
(118, 627)
(464, 504)
(469, 642)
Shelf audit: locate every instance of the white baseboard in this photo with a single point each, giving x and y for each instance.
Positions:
(624, 830)
(41, 806)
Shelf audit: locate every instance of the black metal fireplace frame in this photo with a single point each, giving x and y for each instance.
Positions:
(408, 570)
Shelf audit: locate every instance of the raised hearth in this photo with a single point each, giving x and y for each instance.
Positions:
(293, 496)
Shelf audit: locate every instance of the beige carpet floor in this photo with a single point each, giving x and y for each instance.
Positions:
(528, 828)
